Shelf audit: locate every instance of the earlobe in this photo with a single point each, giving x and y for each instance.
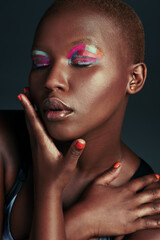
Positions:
(137, 79)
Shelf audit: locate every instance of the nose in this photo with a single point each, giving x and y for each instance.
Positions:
(57, 78)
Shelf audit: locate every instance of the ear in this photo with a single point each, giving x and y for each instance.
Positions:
(137, 78)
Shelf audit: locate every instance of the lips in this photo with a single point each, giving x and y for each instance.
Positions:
(55, 110)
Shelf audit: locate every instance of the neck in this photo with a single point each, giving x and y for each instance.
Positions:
(100, 153)
(103, 147)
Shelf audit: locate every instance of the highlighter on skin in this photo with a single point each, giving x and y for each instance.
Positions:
(84, 55)
(40, 58)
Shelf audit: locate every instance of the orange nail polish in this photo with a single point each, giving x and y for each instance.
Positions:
(24, 90)
(157, 176)
(117, 165)
(19, 97)
(80, 145)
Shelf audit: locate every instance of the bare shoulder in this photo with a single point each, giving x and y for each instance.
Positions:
(13, 141)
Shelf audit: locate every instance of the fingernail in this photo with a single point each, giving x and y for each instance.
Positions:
(24, 90)
(80, 145)
(19, 97)
(157, 176)
(117, 165)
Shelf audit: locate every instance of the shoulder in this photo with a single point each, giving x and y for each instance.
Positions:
(12, 141)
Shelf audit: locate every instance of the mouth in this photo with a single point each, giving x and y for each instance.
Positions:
(55, 110)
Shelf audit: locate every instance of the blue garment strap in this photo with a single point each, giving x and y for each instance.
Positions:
(9, 201)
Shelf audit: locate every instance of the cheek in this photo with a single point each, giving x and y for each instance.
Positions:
(100, 86)
(36, 82)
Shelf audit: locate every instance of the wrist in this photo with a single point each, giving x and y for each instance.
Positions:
(48, 191)
(77, 221)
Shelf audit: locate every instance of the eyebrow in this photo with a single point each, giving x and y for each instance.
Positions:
(85, 40)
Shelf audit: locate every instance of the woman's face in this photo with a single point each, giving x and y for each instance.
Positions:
(80, 73)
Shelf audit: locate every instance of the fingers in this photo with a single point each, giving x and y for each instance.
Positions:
(142, 182)
(148, 195)
(149, 209)
(107, 177)
(33, 120)
(36, 129)
(27, 92)
(74, 153)
(147, 223)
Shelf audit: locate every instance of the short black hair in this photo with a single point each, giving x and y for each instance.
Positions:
(122, 15)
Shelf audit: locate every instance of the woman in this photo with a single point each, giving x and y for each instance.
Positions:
(86, 63)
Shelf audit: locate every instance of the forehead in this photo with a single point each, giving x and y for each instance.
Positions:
(71, 25)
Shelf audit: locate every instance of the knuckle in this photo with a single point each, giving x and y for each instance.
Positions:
(127, 190)
(153, 192)
(58, 156)
(147, 179)
(140, 224)
(158, 222)
(144, 180)
(155, 206)
(137, 225)
(137, 213)
(148, 223)
(75, 153)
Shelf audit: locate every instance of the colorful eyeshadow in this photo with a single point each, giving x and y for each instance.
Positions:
(84, 55)
(40, 58)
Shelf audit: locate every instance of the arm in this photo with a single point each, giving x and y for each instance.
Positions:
(48, 220)
(99, 209)
(78, 218)
(1, 193)
(51, 171)
(7, 153)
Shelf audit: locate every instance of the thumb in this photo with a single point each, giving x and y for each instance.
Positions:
(107, 177)
(74, 153)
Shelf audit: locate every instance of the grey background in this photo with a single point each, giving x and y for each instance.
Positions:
(18, 20)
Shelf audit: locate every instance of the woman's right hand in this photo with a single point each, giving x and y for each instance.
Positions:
(51, 171)
(118, 211)
(49, 165)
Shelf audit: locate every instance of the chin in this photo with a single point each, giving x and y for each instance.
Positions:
(62, 134)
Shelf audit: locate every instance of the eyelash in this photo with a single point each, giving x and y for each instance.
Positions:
(80, 61)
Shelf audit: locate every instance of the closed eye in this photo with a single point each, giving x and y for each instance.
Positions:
(40, 59)
(39, 62)
(83, 61)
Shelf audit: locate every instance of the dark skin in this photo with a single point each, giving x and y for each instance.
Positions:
(77, 178)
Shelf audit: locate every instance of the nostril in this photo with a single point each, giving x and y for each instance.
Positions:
(60, 88)
(49, 89)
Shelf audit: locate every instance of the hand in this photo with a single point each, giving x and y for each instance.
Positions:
(50, 166)
(115, 211)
